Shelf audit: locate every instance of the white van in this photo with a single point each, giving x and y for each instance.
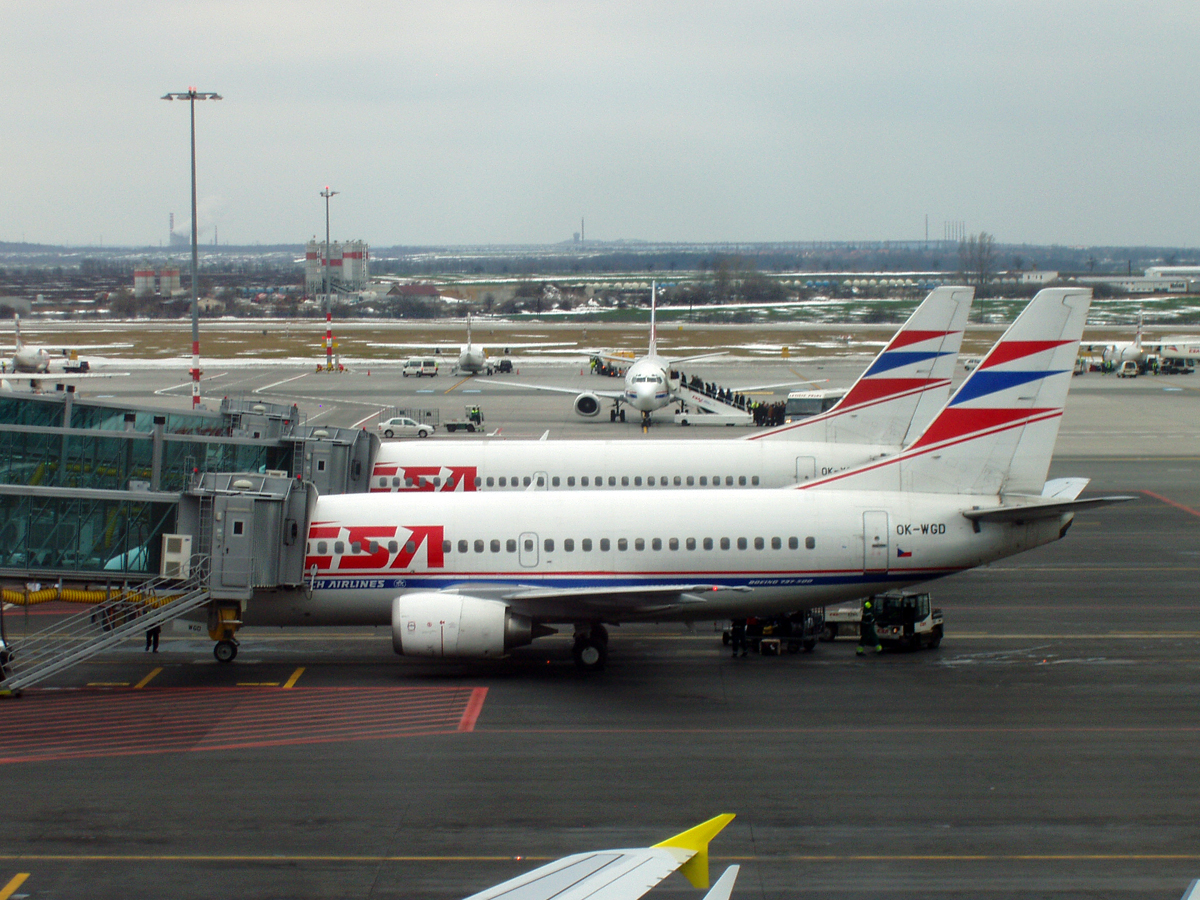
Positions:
(420, 367)
(1128, 369)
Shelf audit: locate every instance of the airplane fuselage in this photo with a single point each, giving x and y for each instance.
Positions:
(648, 384)
(779, 552)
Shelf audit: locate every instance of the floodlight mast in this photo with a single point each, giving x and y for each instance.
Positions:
(327, 193)
(192, 95)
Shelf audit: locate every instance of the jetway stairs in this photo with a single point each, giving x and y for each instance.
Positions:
(125, 613)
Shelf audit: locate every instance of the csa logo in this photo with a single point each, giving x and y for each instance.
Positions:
(389, 478)
(374, 548)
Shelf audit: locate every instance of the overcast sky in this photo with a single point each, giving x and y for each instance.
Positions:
(506, 122)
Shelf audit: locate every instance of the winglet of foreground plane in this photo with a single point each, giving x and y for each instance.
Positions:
(696, 840)
(621, 874)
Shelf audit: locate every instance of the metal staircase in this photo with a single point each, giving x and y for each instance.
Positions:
(711, 404)
(76, 638)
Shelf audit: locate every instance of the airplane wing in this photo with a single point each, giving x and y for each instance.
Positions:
(60, 377)
(611, 395)
(672, 594)
(619, 874)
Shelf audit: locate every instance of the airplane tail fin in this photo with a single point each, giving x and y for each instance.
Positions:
(17, 328)
(997, 433)
(696, 840)
(1137, 340)
(904, 386)
(653, 330)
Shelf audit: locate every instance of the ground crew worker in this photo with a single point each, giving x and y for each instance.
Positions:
(866, 630)
(737, 631)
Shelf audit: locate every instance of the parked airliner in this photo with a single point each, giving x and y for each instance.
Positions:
(473, 577)
(32, 364)
(889, 405)
(473, 358)
(1175, 346)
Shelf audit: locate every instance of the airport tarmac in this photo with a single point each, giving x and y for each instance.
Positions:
(1049, 747)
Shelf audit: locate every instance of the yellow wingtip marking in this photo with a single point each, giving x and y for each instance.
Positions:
(696, 840)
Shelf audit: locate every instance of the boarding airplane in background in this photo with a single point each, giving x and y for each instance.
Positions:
(652, 382)
(473, 577)
(889, 405)
(1179, 347)
(33, 364)
(472, 358)
(622, 874)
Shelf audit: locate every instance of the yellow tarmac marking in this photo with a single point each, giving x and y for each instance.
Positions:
(864, 857)
(457, 384)
(11, 888)
(145, 681)
(258, 684)
(108, 684)
(291, 682)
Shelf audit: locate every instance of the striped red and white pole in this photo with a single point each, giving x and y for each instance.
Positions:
(195, 374)
(329, 341)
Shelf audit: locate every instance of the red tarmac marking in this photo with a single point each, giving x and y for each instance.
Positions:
(97, 723)
(1186, 509)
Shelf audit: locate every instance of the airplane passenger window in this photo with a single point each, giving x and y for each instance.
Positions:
(586, 545)
(568, 545)
(690, 481)
(528, 544)
(793, 543)
(553, 481)
(776, 544)
(339, 548)
(393, 548)
(491, 481)
(503, 481)
(663, 480)
(396, 481)
(724, 543)
(639, 545)
(548, 545)
(690, 543)
(322, 548)
(527, 481)
(703, 480)
(383, 482)
(445, 546)
(373, 546)
(742, 543)
(810, 543)
(495, 546)
(583, 482)
(741, 481)
(408, 482)
(656, 544)
(355, 547)
(604, 545)
(754, 480)
(678, 481)
(462, 546)
(622, 544)
(625, 481)
(650, 481)
(479, 546)
(673, 544)
(510, 545)
(729, 481)
(759, 544)
(708, 545)
(420, 481)
(478, 481)
(449, 482)
(437, 480)
(612, 481)
(515, 481)
(638, 481)
(570, 481)
(410, 547)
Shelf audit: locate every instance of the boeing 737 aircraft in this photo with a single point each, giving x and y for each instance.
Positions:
(472, 358)
(1179, 346)
(651, 382)
(32, 364)
(473, 577)
(889, 405)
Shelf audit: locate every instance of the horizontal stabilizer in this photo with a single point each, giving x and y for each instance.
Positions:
(723, 889)
(1040, 510)
(1064, 488)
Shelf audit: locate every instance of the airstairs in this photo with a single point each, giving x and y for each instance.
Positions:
(728, 413)
(125, 613)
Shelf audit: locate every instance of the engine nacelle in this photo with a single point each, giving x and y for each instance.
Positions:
(587, 405)
(430, 623)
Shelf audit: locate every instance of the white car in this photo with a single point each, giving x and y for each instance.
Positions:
(403, 426)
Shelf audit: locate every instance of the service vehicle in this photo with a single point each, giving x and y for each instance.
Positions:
(902, 619)
(1129, 369)
(770, 635)
(473, 421)
(403, 426)
(802, 404)
(419, 367)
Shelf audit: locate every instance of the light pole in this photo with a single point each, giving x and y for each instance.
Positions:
(192, 95)
(327, 193)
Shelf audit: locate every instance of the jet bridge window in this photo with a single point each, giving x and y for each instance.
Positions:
(239, 527)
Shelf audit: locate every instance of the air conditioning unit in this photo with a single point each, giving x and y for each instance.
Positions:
(176, 556)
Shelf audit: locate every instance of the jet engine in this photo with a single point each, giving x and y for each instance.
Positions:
(587, 405)
(430, 623)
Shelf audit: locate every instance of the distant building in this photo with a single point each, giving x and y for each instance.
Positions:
(422, 291)
(349, 266)
(146, 281)
(1038, 277)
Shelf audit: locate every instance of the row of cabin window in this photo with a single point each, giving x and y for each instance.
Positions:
(585, 545)
(584, 481)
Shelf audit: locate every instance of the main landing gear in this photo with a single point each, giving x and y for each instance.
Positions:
(614, 414)
(591, 647)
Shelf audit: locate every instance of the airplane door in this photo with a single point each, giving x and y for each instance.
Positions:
(876, 544)
(528, 551)
(806, 468)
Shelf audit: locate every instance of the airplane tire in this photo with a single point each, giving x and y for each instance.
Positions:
(622, 415)
(225, 651)
(590, 654)
(935, 640)
(612, 415)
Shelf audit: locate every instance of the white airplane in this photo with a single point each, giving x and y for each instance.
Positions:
(890, 404)
(473, 577)
(622, 874)
(1175, 346)
(32, 364)
(472, 358)
(1121, 351)
(651, 382)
